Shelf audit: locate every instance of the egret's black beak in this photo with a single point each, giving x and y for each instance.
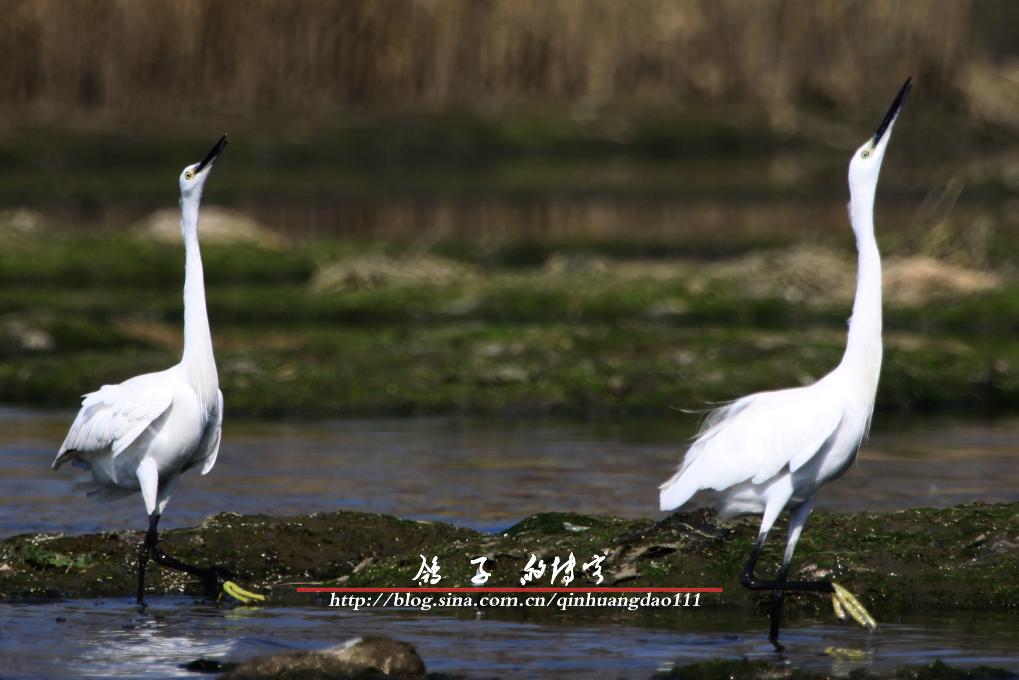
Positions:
(900, 99)
(212, 155)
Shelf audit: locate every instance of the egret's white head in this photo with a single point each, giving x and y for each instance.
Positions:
(866, 163)
(192, 179)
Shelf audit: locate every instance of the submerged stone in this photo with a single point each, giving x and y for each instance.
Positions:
(745, 669)
(369, 657)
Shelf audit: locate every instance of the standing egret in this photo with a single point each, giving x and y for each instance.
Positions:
(770, 451)
(142, 434)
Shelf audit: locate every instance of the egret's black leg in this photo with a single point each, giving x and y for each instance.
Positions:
(143, 557)
(779, 586)
(777, 598)
(213, 577)
(748, 570)
(797, 586)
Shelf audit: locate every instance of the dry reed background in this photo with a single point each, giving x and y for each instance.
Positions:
(137, 58)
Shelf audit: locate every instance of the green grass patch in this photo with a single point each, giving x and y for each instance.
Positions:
(592, 334)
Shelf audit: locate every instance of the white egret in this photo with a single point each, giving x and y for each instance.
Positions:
(770, 451)
(142, 434)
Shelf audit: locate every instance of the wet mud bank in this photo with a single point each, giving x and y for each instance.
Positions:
(963, 557)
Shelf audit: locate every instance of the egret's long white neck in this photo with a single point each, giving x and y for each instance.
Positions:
(198, 360)
(863, 348)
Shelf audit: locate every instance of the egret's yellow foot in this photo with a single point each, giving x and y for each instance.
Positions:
(845, 603)
(240, 594)
(847, 654)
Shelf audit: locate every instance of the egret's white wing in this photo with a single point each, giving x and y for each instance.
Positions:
(112, 417)
(208, 447)
(755, 438)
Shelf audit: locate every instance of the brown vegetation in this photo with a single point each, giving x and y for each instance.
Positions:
(158, 59)
(823, 277)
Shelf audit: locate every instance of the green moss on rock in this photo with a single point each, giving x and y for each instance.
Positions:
(964, 557)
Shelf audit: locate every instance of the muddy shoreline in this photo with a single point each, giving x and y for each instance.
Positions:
(964, 557)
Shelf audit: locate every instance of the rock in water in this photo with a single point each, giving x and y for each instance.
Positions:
(359, 657)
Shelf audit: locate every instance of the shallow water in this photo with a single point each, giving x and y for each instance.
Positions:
(486, 474)
(111, 639)
(482, 473)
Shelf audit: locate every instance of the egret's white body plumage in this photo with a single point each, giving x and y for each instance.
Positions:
(752, 455)
(141, 434)
(772, 450)
(769, 451)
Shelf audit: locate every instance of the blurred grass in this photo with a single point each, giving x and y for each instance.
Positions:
(446, 156)
(578, 334)
(540, 146)
(711, 155)
(728, 100)
(188, 57)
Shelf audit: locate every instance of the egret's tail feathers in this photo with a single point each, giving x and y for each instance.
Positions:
(97, 491)
(109, 493)
(62, 457)
(675, 492)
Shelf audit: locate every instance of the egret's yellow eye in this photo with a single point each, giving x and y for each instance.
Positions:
(866, 154)
(188, 174)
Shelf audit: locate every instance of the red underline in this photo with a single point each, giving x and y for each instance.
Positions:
(469, 589)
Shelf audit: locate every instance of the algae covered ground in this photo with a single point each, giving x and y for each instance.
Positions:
(327, 326)
(960, 558)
